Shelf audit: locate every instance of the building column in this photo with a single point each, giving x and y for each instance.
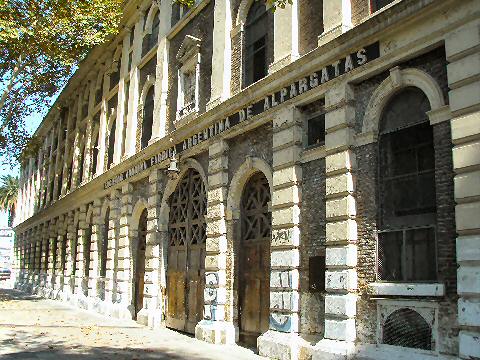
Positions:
(80, 243)
(133, 98)
(111, 269)
(463, 55)
(337, 19)
(282, 340)
(51, 261)
(44, 260)
(124, 273)
(222, 53)
(152, 310)
(159, 129)
(38, 256)
(285, 46)
(94, 288)
(341, 227)
(214, 328)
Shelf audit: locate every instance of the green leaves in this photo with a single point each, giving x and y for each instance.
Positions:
(41, 41)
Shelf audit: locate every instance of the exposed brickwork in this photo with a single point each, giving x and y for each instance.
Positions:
(433, 63)
(366, 177)
(199, 27)
(255, 143)
(312, 244)
(311, 24)
(360, 10)
(148, 69)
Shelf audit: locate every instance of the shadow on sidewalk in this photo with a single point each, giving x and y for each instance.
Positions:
(24, 346)
(16, 295)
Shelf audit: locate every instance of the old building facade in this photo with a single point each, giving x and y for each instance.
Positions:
(305, 180)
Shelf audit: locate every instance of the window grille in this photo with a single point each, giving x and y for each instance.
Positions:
(256, 43)
(407, 255)
(407, 328)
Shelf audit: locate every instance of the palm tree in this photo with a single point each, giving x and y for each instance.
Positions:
(8, 196)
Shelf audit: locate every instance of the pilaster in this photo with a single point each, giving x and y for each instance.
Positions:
(80, 243)
(463, 53)
(222, 53)
(124, 273)
(341, 226)
(152, 310)
(52, 257)
(213, 328)
(337, 19)
(111, 271)
(282, 340)
(286, 27)
(93, 283)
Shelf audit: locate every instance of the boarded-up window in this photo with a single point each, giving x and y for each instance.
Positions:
(256, 43)
(316, 273)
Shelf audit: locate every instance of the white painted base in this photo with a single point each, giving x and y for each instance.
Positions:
(216, 332)
(277, 345)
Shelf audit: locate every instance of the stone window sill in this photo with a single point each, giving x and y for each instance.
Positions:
(407, 289)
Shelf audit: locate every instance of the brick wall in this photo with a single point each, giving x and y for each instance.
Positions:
(360, 10)
(312, 244)
(311, 24)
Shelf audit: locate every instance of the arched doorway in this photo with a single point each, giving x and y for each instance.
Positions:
(140, 262)
(254, 259)
(186, 253)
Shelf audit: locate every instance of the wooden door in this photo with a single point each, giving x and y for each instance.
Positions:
(140, 262)
(186, 253)
(254, 256)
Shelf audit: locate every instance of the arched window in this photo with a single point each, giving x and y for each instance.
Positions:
(147, 123)
(407, 190)
(95, 156)
(256, 43)
(405, 327)
(111, 143)
(150, 40)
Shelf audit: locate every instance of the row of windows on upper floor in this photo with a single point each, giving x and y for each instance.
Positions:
(255, 63)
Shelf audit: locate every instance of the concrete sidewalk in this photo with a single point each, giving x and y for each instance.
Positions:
(34, 328)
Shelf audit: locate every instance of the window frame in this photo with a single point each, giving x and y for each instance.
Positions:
(403, 260)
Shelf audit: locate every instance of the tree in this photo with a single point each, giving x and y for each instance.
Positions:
(8, 196)
(41, 42)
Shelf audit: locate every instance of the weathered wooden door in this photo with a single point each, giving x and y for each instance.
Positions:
(140, 262)
(254, 256)
(186, 253)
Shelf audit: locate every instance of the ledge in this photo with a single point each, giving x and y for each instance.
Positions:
(407, 289)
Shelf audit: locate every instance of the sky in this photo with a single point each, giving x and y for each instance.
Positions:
(32, 124)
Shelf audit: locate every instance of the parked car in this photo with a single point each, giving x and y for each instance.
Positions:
(5, 273)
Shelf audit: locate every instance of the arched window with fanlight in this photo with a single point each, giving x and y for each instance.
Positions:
(151, 39)
(256, 43)
(407, 194)
(147, 123)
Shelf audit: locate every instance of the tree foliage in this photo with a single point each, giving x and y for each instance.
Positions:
(8, 196)
(41, 41)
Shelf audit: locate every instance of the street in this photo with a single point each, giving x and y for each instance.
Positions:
(34, 328)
